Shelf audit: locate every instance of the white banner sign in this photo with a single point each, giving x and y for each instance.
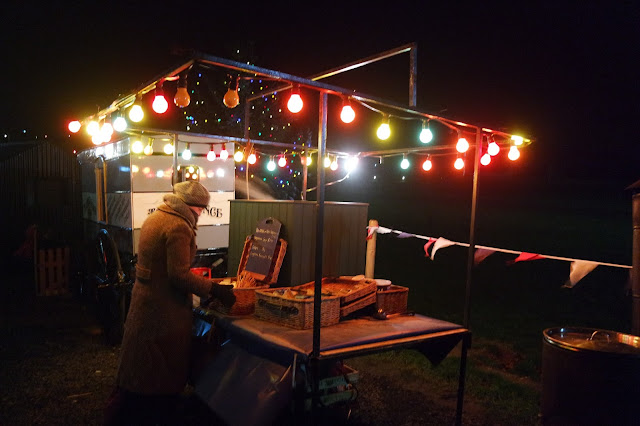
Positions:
(216, 213)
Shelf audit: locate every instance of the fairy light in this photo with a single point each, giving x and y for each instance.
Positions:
(238, 156)
(282, 161)
(168, 148)
(517, 140)
(384, 131)
(485, 159)
(160, 104)
(74, 126)
(334, 164)
(252, 158)
(459, 163)
(137, 146)
(347, 115)
(462, 145)
(514, 154)
(271, 165)
(148, 150)
(427, 165)
(93, 128)
(327, 162)
(351, 163)
(426, 135)
(211, 155)
(493, 148)
(404, 164)
(120, 124)
(186, 154)
(136, 113)
(295, 101)
(224, 154)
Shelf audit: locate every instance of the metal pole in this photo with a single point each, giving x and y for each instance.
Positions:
(635, 263)
(317, 297)
(472, 229)
(317, 300)
(413, 73)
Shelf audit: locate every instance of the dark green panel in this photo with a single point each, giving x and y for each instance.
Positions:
(344, 236)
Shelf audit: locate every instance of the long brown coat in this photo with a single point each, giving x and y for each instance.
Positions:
(156, 342)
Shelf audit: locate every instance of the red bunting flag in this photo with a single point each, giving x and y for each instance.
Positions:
(524, 256)
(426, 247)
(370, 231)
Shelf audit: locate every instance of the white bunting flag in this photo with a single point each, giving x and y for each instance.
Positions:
(578, 270)
(440, 243)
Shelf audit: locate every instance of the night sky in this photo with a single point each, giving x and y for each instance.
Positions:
(563, 73)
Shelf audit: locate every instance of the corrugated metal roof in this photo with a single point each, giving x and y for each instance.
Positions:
(11, 149)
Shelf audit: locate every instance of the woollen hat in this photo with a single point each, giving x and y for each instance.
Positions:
(192, 193)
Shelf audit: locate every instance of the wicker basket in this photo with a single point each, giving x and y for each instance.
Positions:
(272, 305)
(354, 294)
(246, 284)
(393, 300)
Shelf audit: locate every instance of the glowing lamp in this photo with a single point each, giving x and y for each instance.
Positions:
(334, 165)
(96, 139)
(459, 164)
(220, 173)
(137, 147)
(518, 140)
(186, 154)
(160, 104)
(426, 135)
(148, 150)
(514, 154)
(224, 154)
(384, 131)
(93, 128)
(271, 165)
(168, 148)
(119, 124)
(351, 164)
(211, 155)
(252, 158)
(347, 115)
(238, 156)
(485, 159)
(295, 102)
(327, 162)
(493, 148)
(74, 126)
(462, 145)
(107, 129)
(182, 98)
(231, 98)
(306, 160)
(282, 161)
(404, 164)
(136, 114)
(427, 165)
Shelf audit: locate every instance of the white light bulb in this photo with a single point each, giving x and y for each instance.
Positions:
(186, 154)
(426, 135)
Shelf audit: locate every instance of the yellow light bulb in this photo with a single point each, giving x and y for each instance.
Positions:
(168, 148)
(137, 147)
(384, 131)
(327, 162)
(238, 156)
(136, 114)
(148, 150)
(347, 115)
(93, 128)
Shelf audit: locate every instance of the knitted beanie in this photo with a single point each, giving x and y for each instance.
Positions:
(192, 193)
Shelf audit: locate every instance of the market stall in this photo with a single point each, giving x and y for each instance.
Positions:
(274, 346)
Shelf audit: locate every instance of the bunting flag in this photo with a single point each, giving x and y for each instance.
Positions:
(481, 254)
(578, 270)
(440, 243)
(370, 231)
(524, 256)
(426, 247)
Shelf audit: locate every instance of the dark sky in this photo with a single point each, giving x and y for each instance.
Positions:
(563, 72)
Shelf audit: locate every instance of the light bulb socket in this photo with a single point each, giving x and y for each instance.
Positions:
(182, 81)
(234, 81)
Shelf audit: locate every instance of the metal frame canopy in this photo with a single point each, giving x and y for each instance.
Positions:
(324, 90)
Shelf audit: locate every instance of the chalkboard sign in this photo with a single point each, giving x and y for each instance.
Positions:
(263, 247)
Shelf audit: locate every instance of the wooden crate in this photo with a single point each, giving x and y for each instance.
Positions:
(393, 300)
(52, 271)
(354, 294)
(245, 282)
(276, 305)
